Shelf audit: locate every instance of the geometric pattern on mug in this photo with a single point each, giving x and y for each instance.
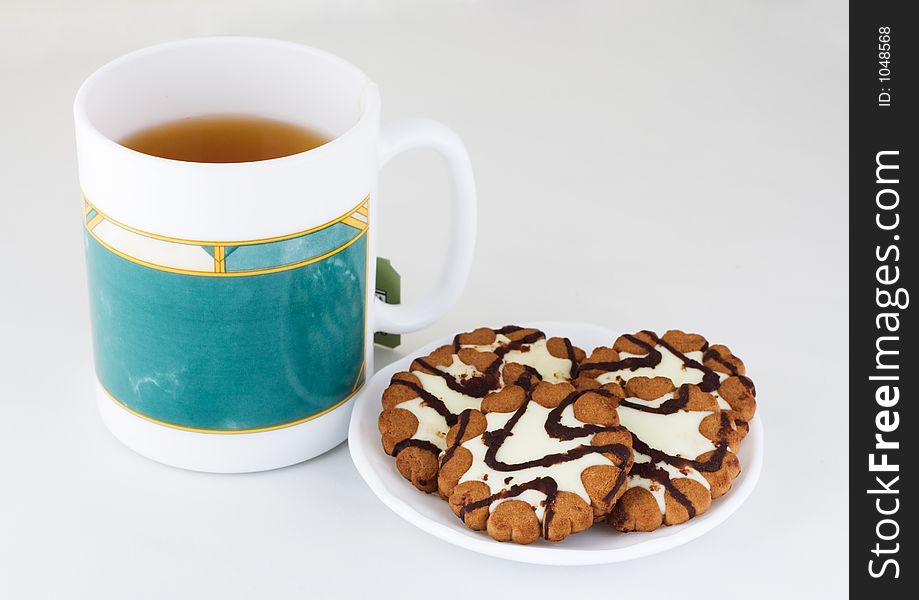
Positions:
(230, 258)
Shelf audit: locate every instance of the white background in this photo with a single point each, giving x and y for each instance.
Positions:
(639, 165)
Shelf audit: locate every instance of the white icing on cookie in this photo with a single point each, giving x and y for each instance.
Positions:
(640, 457)
(722, 403)
(656, 489)
(671, 367)
(688, 473)
(459, 369)
(551, 368)
(437, 385)
(531, 441)
(568, 419)
(500, 340)
(656, 403)
(431, 426)
(534, 498)
(676, 434)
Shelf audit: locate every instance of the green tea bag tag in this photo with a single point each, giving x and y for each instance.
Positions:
(388, 290)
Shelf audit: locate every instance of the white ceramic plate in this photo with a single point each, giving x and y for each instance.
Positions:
(599, 544)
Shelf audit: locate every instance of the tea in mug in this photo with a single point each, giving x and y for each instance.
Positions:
(224, 139)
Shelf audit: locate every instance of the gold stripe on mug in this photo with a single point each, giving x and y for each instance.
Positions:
(220, 255)
(362, 208)
(203, 258)
(359, 373)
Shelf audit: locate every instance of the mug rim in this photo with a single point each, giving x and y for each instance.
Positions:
(83, 121)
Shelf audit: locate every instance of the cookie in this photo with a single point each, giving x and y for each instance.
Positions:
(422, 404)
(538, 459)
(687, 405)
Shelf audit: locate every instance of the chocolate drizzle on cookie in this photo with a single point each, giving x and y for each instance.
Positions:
(494, 440)
(650, 470)
(534, 336)
(569, 350)
(668, 407)
(711, 382)
(439, 387)
(460, 432)
(413, 443)
(710, 379)
(429, 399)
(477, 386)
(480, 385)
(712, 354)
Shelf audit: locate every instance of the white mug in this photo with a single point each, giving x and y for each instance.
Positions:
(233, 304)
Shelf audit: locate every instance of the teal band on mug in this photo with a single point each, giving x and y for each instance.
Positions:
(203, 350)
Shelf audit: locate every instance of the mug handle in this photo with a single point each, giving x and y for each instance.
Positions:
(424, 133)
